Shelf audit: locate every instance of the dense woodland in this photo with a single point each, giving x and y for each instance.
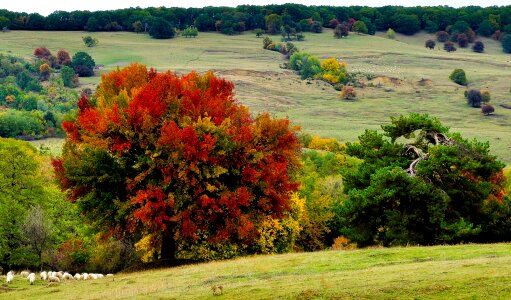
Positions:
(407, 20)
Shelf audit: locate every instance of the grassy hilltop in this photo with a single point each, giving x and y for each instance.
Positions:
(440, 272)
(407, 77)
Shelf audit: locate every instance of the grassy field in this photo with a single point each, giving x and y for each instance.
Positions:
(440, 272)
(409, 78)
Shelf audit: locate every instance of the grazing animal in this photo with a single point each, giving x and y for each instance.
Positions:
(217, 290)
(53, 279)
(31, 278)
(43, 275)
(78, 276)
(10, 277)
(24, 274)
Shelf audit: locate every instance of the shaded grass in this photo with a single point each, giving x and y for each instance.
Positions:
(440, 272)
(262, 85)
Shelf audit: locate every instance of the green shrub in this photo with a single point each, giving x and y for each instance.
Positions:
(90, 41)
(391, 34)
(458, 76)
(506, 43)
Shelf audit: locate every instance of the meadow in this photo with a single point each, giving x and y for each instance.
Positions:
(439, 272)
(402, 76)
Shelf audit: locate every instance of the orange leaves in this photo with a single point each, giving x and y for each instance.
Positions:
(192, 157)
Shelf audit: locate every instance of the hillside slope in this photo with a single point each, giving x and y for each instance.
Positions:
(440, 272)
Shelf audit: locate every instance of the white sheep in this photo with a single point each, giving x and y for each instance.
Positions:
(67, 276)
(85, 276)
(31, 278)
(53, 279)
(93, 276)
(78, 276)
(10, 273)
(10, 277)
(109, 275)
(24, 274)
(59, 274)
(43, 275)
(100, 276)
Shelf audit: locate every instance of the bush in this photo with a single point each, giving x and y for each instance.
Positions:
(486, 97)
(44, 72)
(348, 93)
(83, 64)
(311, 67)
(391, 34)
(341, 31)
(458, 76)
(430, 44)
(474, 98)
(478, 47)
(267, 42)
(162, 29)
(258, 32)
(449, 47)
(90, 41)
(316, 27)
(487, 109)
(360, 27)
(67, 74)
(442, 36)
(462, 40)
(190, 31)
(506, 43)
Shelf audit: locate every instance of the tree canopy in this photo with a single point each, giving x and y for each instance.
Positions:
(165, 157)
(419, 183)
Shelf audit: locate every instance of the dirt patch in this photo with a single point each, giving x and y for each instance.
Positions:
(119, 64)
(385, 80)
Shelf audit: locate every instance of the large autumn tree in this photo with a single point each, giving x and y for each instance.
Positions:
(167, 157)
(421, 184)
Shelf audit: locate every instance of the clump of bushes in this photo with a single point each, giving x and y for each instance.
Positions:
(478, 47)
(348, 93)
(487, 109)
(449, 47)
(430, 44)
(458, 76)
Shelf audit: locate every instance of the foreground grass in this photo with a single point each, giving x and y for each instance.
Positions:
(440, 272)
(262, 85)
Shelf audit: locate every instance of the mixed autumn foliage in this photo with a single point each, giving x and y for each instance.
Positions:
(162, 157)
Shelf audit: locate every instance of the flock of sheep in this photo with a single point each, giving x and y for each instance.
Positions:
(52, 276)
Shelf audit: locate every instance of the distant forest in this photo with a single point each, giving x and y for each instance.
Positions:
(272, 18)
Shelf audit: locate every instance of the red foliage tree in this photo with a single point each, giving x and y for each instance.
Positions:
(42, 53)
(63, 58)
(176, 157)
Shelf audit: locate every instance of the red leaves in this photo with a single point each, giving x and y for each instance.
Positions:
(191, 154)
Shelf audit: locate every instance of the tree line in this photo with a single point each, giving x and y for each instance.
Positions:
(407, 20)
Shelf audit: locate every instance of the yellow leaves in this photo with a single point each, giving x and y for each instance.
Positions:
(10, 98)
(211, 188)
(145, 248)
(326, 144)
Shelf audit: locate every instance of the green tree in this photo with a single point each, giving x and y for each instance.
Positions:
(4, 22)
(273, 23)
(137, 26)
(258, 32)
(190, 31)
(90, 41)
(406, 24)
(83, 64)
(506, 43)
(458, 76)
(360, 27)
(420, 184)
(391, 34)
(485, 28)
(67, 74)
(92, 24)
(162, 29)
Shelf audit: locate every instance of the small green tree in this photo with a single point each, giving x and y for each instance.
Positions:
(391, 34)
(83, 64)
(162, 29)
(360, 27)
(67, 74)
(474, 98)
(137, 26)
(90, 41)
(190, 31)
(258, 32)
(458, 76)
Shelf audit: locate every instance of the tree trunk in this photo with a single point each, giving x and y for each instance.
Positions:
(168, 246)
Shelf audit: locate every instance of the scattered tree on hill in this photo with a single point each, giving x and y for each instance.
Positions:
(341, 31)
(478, 47)
(485, 28)
(449, 47)
(420, 184)
(162, 29)
(360, 27)
(44, 72)
(90, 41)
(37, 231)
(42, 53)
(316, 27)
(506, 43)
(63, 58)
(442, 36)
(83, 64)
(430, 44)
(348, 93)
(170, 158)
(462, 40)
(69, 78)
(391, 34)
(190, 31)
(333, 23)
(486, 97)
(267, 42)
(487, 109)
(474, 98)
(458, 76)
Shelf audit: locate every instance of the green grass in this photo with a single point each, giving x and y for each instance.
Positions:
(264, 86)
(440, 272)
